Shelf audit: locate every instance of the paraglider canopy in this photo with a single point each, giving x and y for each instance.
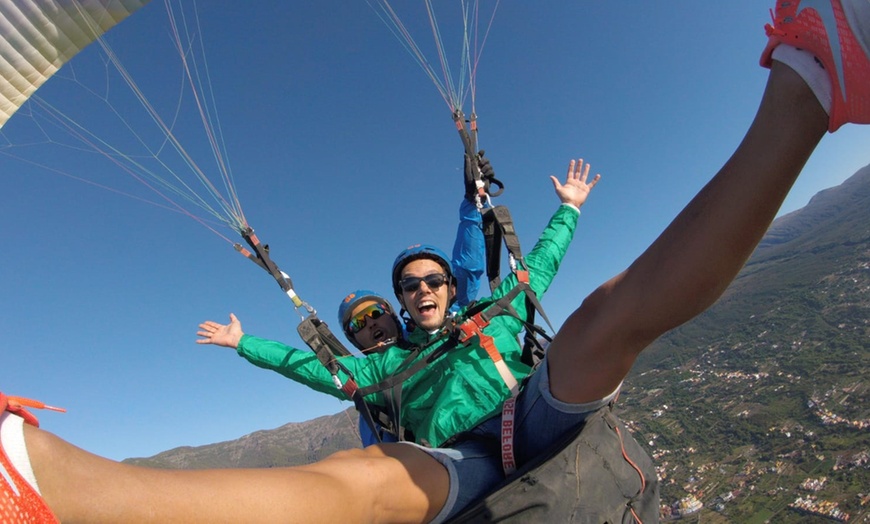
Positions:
(38, 37)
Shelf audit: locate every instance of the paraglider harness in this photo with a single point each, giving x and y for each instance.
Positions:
(314, 331)
(603, 488)
(458, 331)
(498, 228)
(579, 478)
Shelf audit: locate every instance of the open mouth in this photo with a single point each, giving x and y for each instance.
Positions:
(378, 335)
(426, 307)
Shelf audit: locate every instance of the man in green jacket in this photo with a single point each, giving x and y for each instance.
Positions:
(457, 391)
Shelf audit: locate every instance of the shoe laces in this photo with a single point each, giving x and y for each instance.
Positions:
(19, 405)
(773, 28)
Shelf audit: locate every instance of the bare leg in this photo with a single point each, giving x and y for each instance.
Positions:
(689, 266)
(393, 483)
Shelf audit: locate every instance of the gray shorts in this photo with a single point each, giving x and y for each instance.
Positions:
(474, 465)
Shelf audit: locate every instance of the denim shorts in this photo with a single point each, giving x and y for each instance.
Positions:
(474, 465)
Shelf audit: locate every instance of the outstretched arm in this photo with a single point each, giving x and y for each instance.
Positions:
(295, 364)
(544, 260)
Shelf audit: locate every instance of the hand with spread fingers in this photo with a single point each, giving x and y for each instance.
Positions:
(227, 335)
(575, 190)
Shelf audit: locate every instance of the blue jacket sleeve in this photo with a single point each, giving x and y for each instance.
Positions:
(469, 255)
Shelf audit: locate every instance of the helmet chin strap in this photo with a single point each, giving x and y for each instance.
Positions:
(409, 322)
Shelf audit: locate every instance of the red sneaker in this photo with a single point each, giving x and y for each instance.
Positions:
(837, 32)
(19, 502)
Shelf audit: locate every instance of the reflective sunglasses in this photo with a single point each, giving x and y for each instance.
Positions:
(433, 281)
(375, 311)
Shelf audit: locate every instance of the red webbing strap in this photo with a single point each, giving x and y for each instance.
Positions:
(508, 462)
(474, 326)
(349, 388)
(316, 334)
(487, 343)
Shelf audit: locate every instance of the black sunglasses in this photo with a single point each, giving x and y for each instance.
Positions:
(433, 281)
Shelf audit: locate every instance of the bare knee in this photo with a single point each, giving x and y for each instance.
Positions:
(391, 482)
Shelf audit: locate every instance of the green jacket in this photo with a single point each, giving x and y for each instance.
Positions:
(459, 390)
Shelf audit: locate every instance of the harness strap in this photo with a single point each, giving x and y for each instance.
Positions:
(503, 304)
(392, 410)
(392, 387)
(533, 350)
(468, 135)
(498, 227)
(261, 257)
(351, 389)
(492, 237)
(523, 278)
(401, 376)
(307, 329)
(508, 462)
(317, 336)
(479, 318)
(474, 326)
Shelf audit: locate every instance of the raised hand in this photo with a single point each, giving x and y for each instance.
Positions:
(575, 190)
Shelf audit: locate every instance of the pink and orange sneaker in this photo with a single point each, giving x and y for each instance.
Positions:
(19, 502)
(837, 32)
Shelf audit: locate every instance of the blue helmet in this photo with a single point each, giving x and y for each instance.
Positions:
(351, 301)
(415, 252)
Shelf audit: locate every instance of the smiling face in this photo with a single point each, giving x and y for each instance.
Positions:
(376, 330)
(427, 306)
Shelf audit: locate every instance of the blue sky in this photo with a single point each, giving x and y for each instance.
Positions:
(343, 154)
